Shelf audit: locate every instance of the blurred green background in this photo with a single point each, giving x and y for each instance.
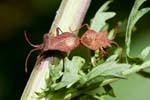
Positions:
(36, 16)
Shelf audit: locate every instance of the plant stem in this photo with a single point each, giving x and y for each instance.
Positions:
(69, 15)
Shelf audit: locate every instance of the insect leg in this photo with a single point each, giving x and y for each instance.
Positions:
(115, 43)
(102, 51)
(84, 25)
(57, 31)
(26, 62)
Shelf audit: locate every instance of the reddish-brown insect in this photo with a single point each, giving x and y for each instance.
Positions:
(64, 42)
(94, 40)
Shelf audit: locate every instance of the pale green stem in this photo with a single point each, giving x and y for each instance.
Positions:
(69, 15)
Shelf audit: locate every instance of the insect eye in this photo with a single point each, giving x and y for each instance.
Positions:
(46, 36)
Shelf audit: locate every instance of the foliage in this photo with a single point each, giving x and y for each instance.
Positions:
(135, 15)
(77, 79)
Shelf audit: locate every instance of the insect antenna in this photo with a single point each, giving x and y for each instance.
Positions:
(115, 43)
(27, 39)
(26, 62)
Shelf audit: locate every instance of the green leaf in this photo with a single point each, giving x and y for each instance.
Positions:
(68, 96)
(99, 90)
(145, 53)
(122, 27)
(105, 6)
(107, 69)
(115, 57)
(109, 90)
(87, 97)
(112, 58)
(144, 69)
(96, 93)
(99, 20)
(111, 34)
(99, 79)
(134, 16)
(144, 74)
(71, 69)
(56, 71)
(145, 65)
(137, 68)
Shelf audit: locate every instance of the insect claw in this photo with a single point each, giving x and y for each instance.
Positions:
(57, 31)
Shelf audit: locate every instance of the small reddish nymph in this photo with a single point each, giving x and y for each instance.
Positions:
(96, 40)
